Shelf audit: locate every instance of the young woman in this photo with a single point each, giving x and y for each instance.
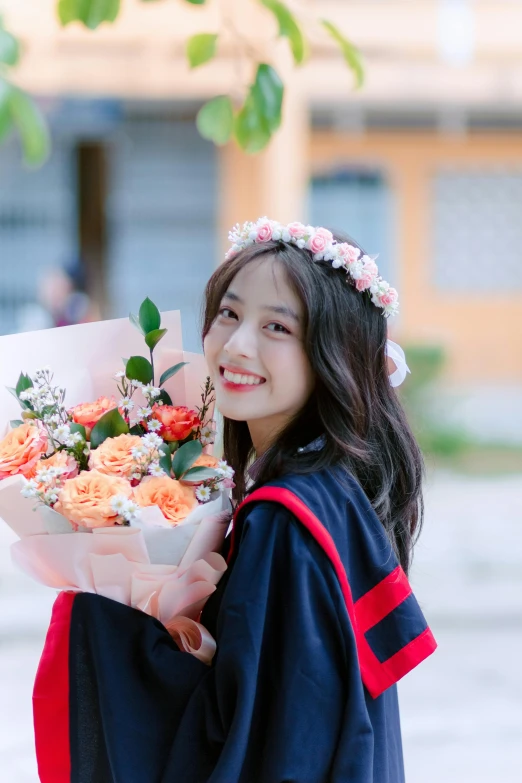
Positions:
(314, 620)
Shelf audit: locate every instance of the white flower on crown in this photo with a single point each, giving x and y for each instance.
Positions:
(361, 269)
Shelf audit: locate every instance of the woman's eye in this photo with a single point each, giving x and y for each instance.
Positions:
(226, 312)
(277, 328)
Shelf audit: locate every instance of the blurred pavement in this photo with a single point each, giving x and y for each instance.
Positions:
(461, 710)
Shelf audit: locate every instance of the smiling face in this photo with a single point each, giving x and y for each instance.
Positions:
(255, 352)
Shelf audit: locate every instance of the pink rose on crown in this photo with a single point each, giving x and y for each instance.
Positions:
(264, 232)
(296, 230)
(368, 274)
(389, 297)
(348, 253)
(320, 240)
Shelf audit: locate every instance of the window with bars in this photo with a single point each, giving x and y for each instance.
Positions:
(477, 227)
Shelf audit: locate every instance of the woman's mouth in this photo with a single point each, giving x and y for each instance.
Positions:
(236, 379)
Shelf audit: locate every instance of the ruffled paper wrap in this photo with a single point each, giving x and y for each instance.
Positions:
(167, 572)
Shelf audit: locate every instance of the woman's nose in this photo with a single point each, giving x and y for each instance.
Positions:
(241, 342)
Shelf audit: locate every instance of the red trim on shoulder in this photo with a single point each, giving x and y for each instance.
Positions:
(51, 697)
(370, 609)
(382, 599)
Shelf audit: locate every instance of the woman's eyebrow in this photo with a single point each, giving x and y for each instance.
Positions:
(279, 309)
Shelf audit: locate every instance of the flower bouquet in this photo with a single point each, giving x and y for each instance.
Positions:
(119, 496)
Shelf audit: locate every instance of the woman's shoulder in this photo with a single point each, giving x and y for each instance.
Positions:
(335, 502)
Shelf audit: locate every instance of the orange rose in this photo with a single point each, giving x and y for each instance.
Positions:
(114, 456)
(86, 499)
(21, 450)
(60, 459)
(89, 413)
(175, 500)
(177, 422)
(206, 461)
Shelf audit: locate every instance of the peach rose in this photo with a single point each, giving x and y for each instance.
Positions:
(320, 240)
(178, 422)
(60, 459)
(21, 449)
(114, 458)
(89, 413)
(86, 499)
(206, 461)
(175, 500)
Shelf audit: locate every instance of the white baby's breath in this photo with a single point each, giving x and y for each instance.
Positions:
(154, 425)
(203, 494)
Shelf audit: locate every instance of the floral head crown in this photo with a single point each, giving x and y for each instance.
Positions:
(361, 270)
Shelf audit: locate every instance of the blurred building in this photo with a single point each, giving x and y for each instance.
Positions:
(423, 166)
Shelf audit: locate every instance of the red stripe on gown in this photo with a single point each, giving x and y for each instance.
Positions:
(51, 697)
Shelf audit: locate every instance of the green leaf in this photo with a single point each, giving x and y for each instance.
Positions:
(137, 429)
(268, 92)
(139, 369)
(24, 383)
(78, 428)
(171, 371)
(200, 474)
(251, 128)
(288, 28)
(196, 2)
(165, 460)
(91, 12)
(350, 53)
(164, 397)
(135, 322)
(9, 48)
(153, 338)
(31, 126)
(149, 316)
(26, 406)
(110, 425)
(215, 120)
(173, 446)
(201, 48)
(15, 423)
(185, 457)
(260, 116)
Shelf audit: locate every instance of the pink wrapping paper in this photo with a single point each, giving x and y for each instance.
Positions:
(164, 571)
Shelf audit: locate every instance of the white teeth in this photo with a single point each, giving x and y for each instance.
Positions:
(243, 380)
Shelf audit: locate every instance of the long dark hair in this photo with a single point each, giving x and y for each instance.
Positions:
(353, 404)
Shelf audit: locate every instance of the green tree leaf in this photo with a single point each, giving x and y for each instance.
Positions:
(9, 47)
(171, 371)
(185, 457)
(196, 2)
(288, 28)
(91, 12)
(153, 338)
(201, 48)
(199, 474)
(268, 92)
(139, 369)
(149, 316)
(215, 120)
(261, 113)
(350, 53)
(110, 425)
(31, 126)
(15, 423)
(135, 322)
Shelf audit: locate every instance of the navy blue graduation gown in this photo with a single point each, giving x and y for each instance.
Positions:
(314, 622)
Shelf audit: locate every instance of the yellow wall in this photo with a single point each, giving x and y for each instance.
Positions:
(482, 334)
